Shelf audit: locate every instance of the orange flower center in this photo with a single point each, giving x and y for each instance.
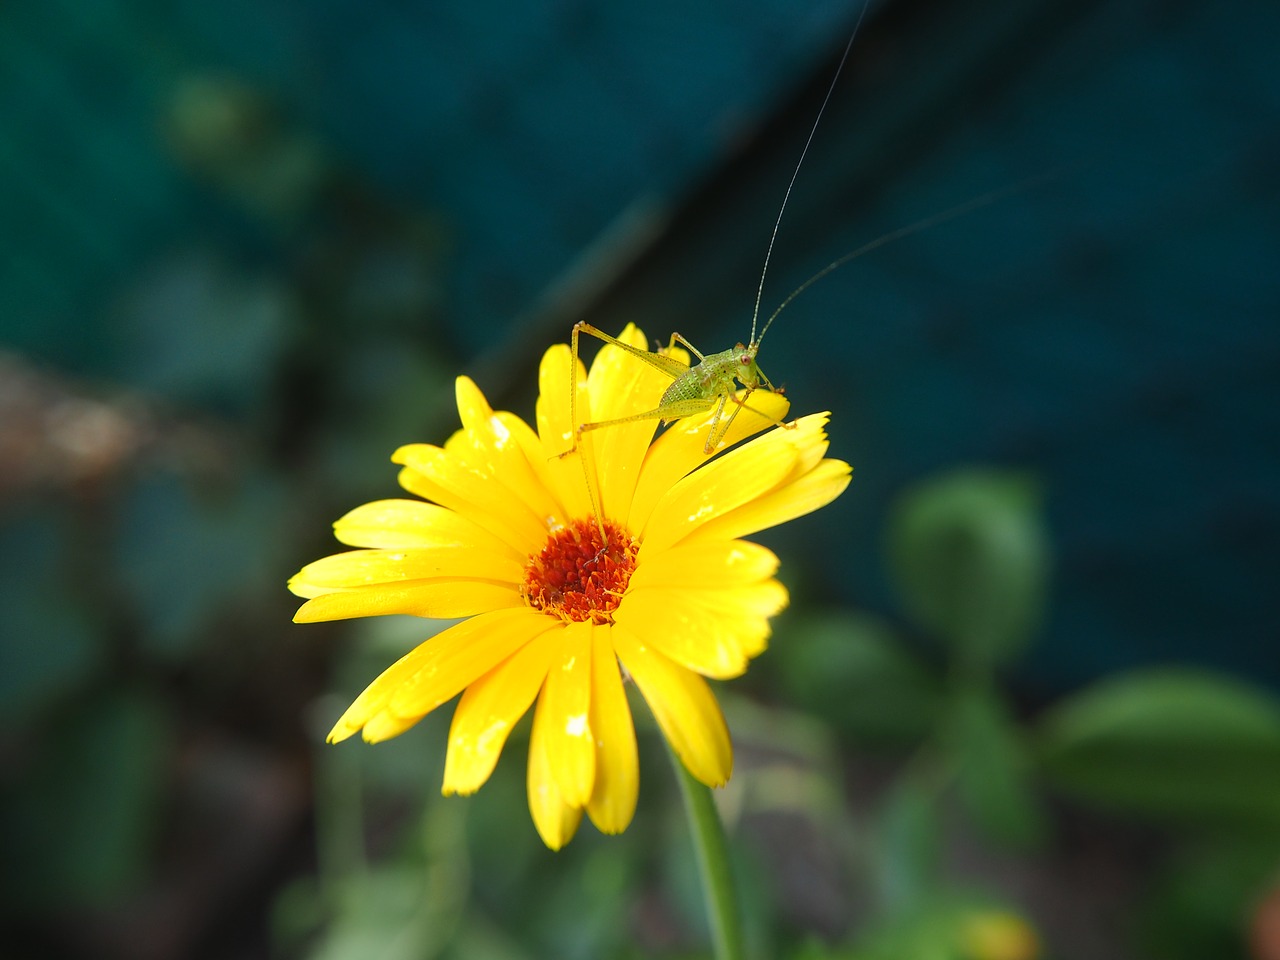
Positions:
(578, 576)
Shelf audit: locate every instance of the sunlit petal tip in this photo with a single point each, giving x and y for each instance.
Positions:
(556, 821)
(684, 706)
(553, 371)
(309, 612)
(384, 725)
(473, 408)
(411, 451)
(487, 712)
(465, 772)
(617, 786)
(341, 731)
(803, 433)
(716, 782)
(461, 783)
(828, 480)
(612, 808)
(299, 587)
(558, 828)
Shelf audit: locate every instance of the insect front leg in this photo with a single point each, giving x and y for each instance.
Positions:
(676, 338)
(668, 366)
(713, 440)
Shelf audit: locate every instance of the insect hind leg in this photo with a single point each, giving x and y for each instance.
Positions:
(671, 411)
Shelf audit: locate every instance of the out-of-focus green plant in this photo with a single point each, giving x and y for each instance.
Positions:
(971, 559)
(1184, 748)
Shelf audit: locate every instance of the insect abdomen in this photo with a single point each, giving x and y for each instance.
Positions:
(688, 387)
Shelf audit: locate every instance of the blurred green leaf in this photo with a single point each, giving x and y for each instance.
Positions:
(852, 671)
(79, 828)
(993, 768)
(1172, 743)
(910, 841)
(971, 559)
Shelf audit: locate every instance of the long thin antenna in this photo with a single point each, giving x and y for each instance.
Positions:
(925, 223)
(755, 314)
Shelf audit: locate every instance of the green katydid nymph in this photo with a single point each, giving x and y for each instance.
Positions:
(708, 384)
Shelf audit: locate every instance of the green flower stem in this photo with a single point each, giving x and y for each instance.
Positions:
(713, 864)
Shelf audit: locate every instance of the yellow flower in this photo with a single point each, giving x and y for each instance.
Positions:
(998, 935)
(506, 534)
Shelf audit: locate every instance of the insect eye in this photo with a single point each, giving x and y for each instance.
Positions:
(744, 359)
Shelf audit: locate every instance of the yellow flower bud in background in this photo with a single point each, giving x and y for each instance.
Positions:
(998, 935)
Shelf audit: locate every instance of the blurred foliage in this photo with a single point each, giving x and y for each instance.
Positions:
(82, 827)
(971, 562)
(1177, 745)
(154, 769)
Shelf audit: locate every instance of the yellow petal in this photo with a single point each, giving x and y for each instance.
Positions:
(613, 803)
(622, 385)
(383, 726)
(738, 477)
(809, 437)
(434, 475)
(711, 631)
(555, 820)
(815, 489)
(683, 705)
(440, 599)
(489, 708)
(409, 524)
(377, 697)
(556, 429)
(463, 654)
(536, 457)
(681, 448)
(706, 562)
(488, 446)
(358, 568)
(566, 703)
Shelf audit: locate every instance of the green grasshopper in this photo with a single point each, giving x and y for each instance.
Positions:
(694, 389)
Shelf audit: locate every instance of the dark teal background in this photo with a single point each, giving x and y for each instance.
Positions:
(1112, 328)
